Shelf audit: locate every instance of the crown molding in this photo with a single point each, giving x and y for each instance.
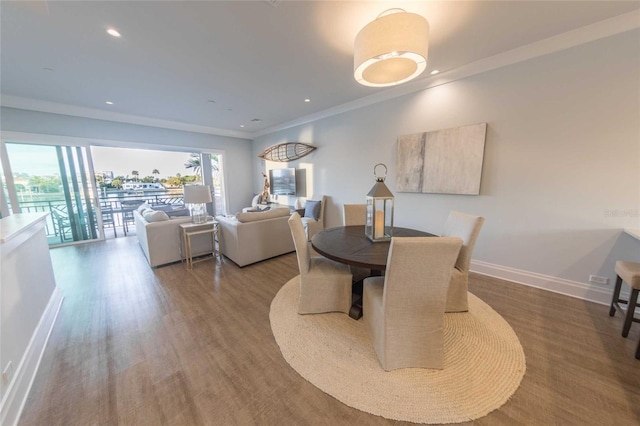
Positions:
(606, 28)
(18, 102)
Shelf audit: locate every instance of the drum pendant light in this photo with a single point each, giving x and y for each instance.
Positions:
(392, 49)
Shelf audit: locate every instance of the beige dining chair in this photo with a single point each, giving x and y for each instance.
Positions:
(467, 227)
(354, 214)
(404, 310)
(313, 225)
(325, 285)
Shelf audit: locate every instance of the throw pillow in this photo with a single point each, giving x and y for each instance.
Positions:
(143, 206)
(155, 216)
(312, 209)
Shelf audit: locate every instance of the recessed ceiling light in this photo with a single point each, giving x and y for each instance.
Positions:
(48, 69)
(229, 109)
(109, 102)
(434, 72)
(307, 100)
(242, 125)
(113, 32)
(211, 101)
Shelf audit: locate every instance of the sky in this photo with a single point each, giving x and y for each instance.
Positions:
(122, 161)
(42, 160)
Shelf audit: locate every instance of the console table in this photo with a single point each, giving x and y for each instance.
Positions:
(188, 230)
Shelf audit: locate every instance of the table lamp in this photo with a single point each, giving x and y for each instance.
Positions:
(196, 197)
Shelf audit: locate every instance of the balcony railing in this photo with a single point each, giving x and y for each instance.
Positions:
(58, 221)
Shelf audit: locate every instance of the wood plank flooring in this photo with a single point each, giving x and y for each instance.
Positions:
(139, 346)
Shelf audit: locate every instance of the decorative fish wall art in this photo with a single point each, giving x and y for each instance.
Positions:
(287, 151)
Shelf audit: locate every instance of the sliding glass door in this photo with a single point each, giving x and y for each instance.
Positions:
(55, 179)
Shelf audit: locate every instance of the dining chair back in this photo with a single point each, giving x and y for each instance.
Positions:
(404, 310)
(355, 214)
(467, 227)
(325, 285)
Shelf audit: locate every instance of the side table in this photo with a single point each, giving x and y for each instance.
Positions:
(188, 230)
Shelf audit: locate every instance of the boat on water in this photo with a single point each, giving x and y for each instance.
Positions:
(138, 187)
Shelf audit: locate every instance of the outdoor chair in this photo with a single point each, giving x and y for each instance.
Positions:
(108, 217)
(61, 225)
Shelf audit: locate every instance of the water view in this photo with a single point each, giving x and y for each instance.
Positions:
(56, 180)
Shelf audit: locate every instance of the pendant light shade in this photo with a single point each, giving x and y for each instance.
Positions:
(392, 49)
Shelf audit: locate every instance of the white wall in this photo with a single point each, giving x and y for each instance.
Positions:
(561, 174)
(237, 152)
(29, 304)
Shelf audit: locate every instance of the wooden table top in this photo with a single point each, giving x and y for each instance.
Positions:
(349, 244)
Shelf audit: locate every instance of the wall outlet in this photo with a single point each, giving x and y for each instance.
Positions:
(7, 373)
(598, 280)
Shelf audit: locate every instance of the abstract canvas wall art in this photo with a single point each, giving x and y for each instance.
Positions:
(445, 161)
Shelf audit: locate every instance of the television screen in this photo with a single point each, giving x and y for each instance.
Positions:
(283, 181)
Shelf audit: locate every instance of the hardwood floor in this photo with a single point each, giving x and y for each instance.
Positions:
(134, 346)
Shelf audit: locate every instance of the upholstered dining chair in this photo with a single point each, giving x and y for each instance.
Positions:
(404, 310)
(325, 285)
(313, 220)
(467, 227)
(355, 214)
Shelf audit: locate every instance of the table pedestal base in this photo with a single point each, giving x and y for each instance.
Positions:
(357, 294)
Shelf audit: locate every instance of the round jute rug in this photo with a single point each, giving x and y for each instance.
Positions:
(484, 363)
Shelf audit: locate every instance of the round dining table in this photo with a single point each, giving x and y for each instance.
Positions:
(350, 245)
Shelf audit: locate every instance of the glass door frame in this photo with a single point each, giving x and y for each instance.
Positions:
(54, 141)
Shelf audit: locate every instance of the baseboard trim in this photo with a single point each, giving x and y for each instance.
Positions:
(18, 390)
(546, 282)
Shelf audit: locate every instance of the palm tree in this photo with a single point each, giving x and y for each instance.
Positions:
(193, 163)
(135, 174)
(155, 173)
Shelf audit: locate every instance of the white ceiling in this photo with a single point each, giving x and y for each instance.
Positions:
(256, 61)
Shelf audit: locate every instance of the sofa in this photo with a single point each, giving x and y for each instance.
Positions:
(250, 237)
(160, 238)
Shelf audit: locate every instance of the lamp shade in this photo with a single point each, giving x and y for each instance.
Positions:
(197, 194)
(392, 49)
